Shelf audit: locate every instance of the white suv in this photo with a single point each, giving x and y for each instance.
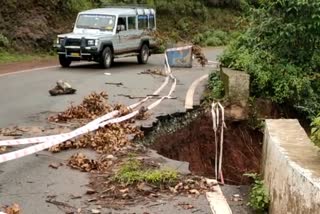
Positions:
(104, 34)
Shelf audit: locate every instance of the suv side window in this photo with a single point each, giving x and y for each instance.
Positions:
(151, 22)
(132, 23)
(142, 22)
(122, 21)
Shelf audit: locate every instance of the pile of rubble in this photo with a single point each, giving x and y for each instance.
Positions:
(199, 55)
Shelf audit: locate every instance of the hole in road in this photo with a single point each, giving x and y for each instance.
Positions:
(189, 137)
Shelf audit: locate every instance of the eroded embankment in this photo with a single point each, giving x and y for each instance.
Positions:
(190, 138)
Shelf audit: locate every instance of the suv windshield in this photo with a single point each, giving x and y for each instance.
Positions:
(95, 21)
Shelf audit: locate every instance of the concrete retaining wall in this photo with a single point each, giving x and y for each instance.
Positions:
(291, 168)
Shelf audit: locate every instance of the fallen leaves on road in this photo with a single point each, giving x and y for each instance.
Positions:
(13, 209)
(92, 106)
(83, 163)
(108, 139)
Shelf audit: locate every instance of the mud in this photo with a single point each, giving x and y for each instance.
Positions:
(194, 142)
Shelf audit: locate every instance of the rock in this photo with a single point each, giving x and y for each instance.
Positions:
(144, 187)
(124, 190)
(194, 191)
(111, 157)
(90, 192)
(211, 182)
(95, 211)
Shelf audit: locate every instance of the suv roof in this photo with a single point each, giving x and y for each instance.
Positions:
(120, 11)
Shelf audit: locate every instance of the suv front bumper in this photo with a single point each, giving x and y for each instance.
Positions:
(77, 49)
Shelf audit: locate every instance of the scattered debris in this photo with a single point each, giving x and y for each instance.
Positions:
(186, 206)
(63, 206)
(75, 196)
(154, 71)
(115, 83)
(152, 96)
(198, 53)
(55, 165)
(61, 88)
(143, 114)
(90, 192)
(95, 211)
(236, 197)
(13, 209)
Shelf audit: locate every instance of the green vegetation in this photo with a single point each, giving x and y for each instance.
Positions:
(259, 199)
(280, 50)
(133, 171)
(315, 130)
(9, 57)
(216, 86)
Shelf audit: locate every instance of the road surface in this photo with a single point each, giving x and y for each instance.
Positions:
(25, 101)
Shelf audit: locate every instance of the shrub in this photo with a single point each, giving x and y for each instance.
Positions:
(4, 41)
(259, 199)
(280, 52)
(315, 130)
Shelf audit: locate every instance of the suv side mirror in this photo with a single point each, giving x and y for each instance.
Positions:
(121, 28)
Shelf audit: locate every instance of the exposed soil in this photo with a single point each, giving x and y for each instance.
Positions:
(194, 143)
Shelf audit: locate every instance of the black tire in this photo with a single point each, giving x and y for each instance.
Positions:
(64, 61)
(106, 58)
(144, 54)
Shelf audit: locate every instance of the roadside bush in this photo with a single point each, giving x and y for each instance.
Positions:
(315, 131)
(259, 199)
(4, 41)
(212, 38)
(280, 52)
(215, 86)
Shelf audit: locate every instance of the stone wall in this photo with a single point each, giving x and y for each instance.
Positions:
(291, 168)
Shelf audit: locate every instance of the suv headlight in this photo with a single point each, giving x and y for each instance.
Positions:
(91, 42)
(60, 41)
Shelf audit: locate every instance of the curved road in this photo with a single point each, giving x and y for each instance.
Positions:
(25, 101)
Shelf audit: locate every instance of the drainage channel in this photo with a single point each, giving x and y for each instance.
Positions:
(189, 137)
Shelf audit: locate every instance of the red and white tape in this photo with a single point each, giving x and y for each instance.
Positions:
(99, 122)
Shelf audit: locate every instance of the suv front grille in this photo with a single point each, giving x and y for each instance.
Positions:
(73, 42)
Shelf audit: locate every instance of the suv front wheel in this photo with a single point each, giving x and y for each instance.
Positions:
(106, 58)
(64, 61)
(144, 54)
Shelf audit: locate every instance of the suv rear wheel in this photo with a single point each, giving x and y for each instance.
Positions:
(64, 61)
(106, 58)
(144, 54)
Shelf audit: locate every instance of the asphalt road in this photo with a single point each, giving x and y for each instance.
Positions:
(25, 101)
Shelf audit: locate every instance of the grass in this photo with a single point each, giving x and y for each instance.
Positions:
(133, 171)
(9, 57)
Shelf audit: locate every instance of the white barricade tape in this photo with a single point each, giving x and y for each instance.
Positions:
(57, 139)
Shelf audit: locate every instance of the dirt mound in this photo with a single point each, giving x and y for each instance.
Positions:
(195, 144)
(33, 24)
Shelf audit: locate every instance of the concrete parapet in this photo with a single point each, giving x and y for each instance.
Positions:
(291, 168)
(236, 84)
